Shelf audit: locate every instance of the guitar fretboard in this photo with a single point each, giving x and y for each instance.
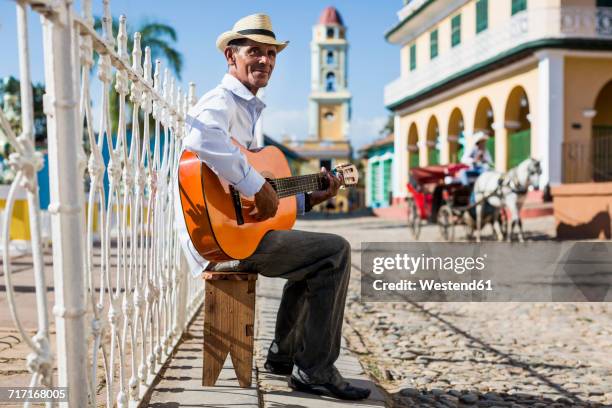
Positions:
(288, 186)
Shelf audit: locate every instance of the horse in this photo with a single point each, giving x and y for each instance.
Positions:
(505, 190)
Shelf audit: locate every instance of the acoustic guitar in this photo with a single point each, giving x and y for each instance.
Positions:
(221, 222)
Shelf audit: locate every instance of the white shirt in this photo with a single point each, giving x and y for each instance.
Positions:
(469, 157)
(229, 110)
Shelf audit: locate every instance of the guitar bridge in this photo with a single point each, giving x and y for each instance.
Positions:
(237, 205)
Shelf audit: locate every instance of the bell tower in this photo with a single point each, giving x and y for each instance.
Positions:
(329, 100)
(329, 103)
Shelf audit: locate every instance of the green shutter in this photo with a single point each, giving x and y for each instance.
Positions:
(375, 185)
(386, 180)
(413, 57)
(413, 159)
(433, 44)
(491, 147)
(482, 15)
(433, 156)
(519, 147)
(456, 30)
(459, 153)
(518, 5)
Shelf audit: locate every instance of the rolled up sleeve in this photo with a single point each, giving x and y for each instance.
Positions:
(208, 137)
(301, 203)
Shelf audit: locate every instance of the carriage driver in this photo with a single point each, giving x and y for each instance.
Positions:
(478, 158)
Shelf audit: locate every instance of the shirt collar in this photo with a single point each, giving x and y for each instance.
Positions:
(232, 84)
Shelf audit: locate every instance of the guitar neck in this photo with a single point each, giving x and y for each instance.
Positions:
(288, 186)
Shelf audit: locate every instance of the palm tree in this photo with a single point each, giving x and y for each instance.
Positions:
(157, 36)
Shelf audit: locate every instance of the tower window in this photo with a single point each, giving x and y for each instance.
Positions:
(330, 33)
(330, 82)
(330, 58)
(329, 116)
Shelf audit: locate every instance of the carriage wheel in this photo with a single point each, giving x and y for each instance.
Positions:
(414, 221)
(445, 223)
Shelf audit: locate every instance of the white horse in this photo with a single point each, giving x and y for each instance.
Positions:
(506, 190)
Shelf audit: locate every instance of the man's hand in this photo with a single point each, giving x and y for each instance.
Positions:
(266, 202)
(334, 185)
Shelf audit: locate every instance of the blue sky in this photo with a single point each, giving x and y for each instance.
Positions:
(372, 61)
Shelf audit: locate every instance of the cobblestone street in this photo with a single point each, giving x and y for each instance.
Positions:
(476, 354)
(421, 354)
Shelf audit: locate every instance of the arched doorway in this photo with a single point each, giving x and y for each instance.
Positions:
(456, 140)
(518, 126)
(413, 146)
(433, 149)
(483, 122)
(601, 144)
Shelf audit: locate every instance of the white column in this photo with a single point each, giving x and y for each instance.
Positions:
(399, 176)
(64, 137)
(551, 115)
(501, 141)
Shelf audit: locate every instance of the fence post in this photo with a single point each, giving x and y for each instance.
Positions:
(64, 136)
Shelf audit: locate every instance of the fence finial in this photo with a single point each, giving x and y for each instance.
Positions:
(137, 54)
(179, 103)
(87, 12)
(147, 65)
(107, 24)
(122, 39)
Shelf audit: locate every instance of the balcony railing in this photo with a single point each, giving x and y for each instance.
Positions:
(589, 160)
(524, 27)
(410, 7)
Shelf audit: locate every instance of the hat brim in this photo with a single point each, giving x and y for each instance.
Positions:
(224, 39)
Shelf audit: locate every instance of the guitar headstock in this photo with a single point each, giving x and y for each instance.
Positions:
(349, 174)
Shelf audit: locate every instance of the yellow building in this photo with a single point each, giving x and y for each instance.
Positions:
(329, 101)
(536, 75)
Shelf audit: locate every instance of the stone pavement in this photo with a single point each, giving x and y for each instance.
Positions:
(180, 382)
(421, 354)
(273, 388)
(476, 354)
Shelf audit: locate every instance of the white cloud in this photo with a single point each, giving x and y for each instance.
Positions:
(277, 123)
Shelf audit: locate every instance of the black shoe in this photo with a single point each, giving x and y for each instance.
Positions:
(337, 389)
(274, 362)
(278, 368)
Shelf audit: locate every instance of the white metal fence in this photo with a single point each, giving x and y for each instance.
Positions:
(122, 299)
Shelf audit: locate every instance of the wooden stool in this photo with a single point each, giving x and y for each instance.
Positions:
(229, 316)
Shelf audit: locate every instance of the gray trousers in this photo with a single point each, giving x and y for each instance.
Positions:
(317, 268)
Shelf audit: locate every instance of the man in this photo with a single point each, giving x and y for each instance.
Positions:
(478, 158)
(316, 265)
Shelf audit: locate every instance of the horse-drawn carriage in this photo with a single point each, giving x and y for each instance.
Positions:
(436, 196)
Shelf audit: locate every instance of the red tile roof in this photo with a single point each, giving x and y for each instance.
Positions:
(330, 16)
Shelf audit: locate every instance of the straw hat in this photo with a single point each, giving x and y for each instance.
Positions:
(480, 136)
(256, 27)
